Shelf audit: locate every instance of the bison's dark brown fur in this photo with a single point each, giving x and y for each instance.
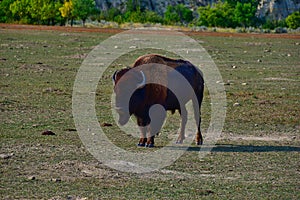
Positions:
(158, 94)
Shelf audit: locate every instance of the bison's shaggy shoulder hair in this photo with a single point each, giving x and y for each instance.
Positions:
(156, 92)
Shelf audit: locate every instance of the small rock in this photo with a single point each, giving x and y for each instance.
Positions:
(31, 178)
(69, 197)
(244, 83)
(48, 90)
(289, 55)
(259, 60)
(48, 132)
(116, 47)
(87, 172)
(234, 67)
(236, 104)
(132, 47)
(56, 180)
(6, 156)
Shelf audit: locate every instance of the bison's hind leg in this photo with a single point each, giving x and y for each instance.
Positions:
(143, 129)
(199, 139)
(197, 115)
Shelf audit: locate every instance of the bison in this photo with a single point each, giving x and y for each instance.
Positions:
(147, 95)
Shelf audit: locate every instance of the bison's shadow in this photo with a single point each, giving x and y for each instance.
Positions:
(245, 148)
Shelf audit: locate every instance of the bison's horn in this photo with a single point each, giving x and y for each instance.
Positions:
(143, 83)
(114, 77)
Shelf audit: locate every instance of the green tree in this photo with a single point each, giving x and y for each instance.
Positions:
(203, 12)
(134, 16)
(244, 13)
(133, 5)
(82, 9)
(228, 15)
(293, 20)
(153, 17)
(67, 11)
(50, 12)
(133, 12)
(58, 17)
(171, 16)
(119, 19)
(5, 12)
(20, 11)
(35, 9)
(185, 14)
(218, 15)
(178, 13)
(110, 14)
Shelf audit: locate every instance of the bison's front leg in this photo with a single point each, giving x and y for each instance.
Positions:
(157, 115)
(181, 137)
(143, 130)
(142, 142)
(150, 142)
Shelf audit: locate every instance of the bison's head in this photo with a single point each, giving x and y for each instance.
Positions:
(126, 82)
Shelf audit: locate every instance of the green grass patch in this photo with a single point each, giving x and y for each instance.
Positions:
(256, 157)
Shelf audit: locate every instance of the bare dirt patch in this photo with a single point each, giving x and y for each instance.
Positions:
(118, 30)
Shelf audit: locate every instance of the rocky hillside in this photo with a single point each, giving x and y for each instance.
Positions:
(277, 9)
(273, 9)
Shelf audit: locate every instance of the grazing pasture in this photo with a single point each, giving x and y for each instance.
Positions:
(257, 155)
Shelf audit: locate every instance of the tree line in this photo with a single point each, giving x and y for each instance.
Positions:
(47, 12)
(227, 14)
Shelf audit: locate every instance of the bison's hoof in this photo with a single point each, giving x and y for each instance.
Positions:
(178, 142)
(141, 145)
(199, 143)
(150, 145)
